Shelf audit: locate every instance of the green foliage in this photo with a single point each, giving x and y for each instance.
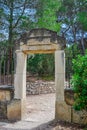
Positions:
(79, 82)
(72, 50)
(70, 53)
(73, 12)
(41, 64)
(46, 14)
(26, 23)
(82, 19)
(15, 18)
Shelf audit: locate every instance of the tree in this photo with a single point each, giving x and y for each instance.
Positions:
(73, 13)
(46, 14)
(45, 18)
(41, 64)
(12, 15)
(16, 17)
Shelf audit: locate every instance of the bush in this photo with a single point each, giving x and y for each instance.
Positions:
(79, 82)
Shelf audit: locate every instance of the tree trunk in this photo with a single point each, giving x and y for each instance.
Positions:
(82, 43)
(10, 40)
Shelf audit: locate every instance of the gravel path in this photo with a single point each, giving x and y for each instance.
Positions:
(40, 116)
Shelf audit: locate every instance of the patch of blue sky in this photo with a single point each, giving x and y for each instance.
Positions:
(30, 11)
(31, 14)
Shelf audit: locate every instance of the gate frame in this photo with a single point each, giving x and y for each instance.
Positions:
(39, 41)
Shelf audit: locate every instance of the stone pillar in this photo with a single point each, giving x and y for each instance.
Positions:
(62, 111)
(59, 75)
(20, 76)
(16, 109)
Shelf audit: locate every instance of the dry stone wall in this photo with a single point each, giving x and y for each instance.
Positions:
(40, 87)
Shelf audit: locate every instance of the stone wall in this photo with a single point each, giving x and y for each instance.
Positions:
(6, 95)
(76, 116)
(40, 87)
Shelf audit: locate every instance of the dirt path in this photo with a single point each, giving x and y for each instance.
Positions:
(39, 116)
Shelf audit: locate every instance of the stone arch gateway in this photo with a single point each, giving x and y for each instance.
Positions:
(38, 41)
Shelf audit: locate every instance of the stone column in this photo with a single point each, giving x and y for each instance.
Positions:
(59, 75)
(16, 109)
(62, 111)
(20, 76)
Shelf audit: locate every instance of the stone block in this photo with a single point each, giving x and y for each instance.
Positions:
(14, 110)
(79, 117)
(62, 111)
(6, 93)
(3, 110)
(69, 96)
(2, 95)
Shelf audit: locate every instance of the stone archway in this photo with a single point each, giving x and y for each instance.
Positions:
(38, 41)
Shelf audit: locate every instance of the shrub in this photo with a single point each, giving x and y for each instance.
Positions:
(79, 82)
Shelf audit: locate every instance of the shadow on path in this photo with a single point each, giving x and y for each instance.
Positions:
(59, 125)
(51, 125)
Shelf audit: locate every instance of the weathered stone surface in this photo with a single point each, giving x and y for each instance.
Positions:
(36, 38)
(40, 87)
(79, 117)
(20, 75)
(2, 95)
(8, 95)
(23, 108)
(69, 96)
(63, 111)
(67, 113)
(5, 95)
(14, 110)
(59, 75)
(3, 110)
